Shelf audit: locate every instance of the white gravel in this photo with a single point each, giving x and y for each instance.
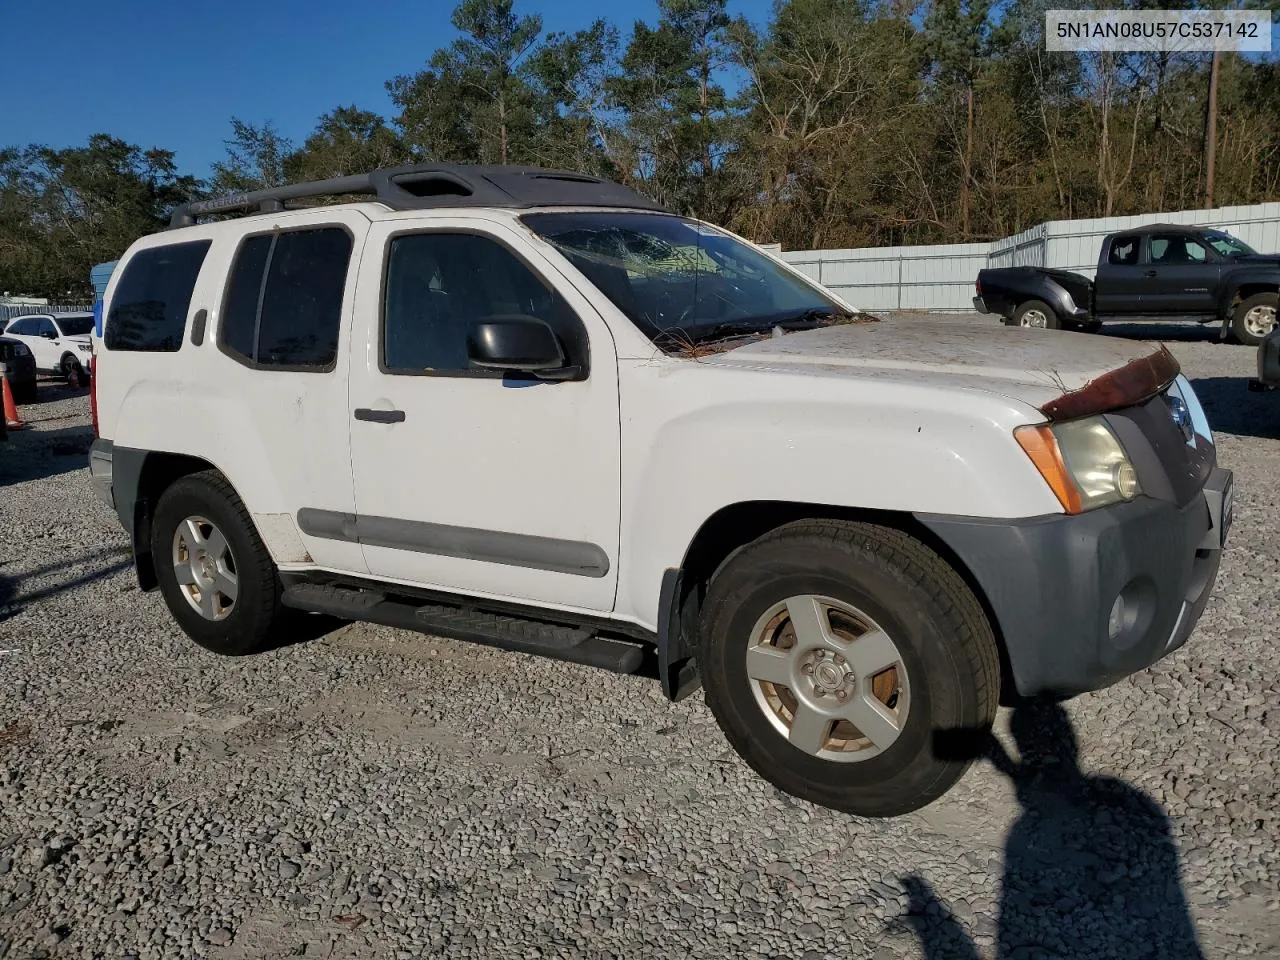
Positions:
(381, 794)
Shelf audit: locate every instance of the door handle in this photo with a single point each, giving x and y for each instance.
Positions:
(1150, 273)
(379, 416)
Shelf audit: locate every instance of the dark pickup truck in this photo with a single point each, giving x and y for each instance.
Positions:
(1159, 272)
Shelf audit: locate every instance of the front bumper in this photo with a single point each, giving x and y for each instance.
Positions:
(1268, 363)
(100, 456)
(1051, 583)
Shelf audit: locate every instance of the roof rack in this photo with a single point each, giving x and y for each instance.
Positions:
(427, 185)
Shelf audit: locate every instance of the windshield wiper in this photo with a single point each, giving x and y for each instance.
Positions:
(808, 319)
(716, 331)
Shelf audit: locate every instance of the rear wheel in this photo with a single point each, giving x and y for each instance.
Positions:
(832, 653)
(1254, 318)
(72, 371)
(215, 573)
(1036, 314)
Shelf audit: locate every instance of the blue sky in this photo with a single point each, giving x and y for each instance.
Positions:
(173, 74)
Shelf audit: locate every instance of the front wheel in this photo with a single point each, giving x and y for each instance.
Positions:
(1254, 318)
(215, 573)
(834, 653)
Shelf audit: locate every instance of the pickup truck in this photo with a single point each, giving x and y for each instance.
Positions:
(1158, 272)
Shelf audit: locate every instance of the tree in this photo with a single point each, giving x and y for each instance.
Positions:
(961, 35)
(488, 97)
(62, 211)
(506, 93)
(677, 118)
(827, 86)
(256, 159)
(347, 140)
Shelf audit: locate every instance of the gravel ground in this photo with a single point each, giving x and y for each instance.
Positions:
(374, 793)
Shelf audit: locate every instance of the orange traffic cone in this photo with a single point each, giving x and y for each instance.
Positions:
(11, 419)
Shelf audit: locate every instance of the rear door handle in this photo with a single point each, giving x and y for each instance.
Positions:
(379, 416)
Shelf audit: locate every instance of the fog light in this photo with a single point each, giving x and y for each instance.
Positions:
(1116, 621)
(1126, 480)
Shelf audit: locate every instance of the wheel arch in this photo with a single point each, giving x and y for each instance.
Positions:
(139, 477)
(734, 526)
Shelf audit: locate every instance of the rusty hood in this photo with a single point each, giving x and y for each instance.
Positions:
(1064, 375)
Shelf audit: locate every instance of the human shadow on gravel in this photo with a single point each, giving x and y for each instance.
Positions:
(13, 596)
(1090, 866)
(1231, 407)
(38, 454)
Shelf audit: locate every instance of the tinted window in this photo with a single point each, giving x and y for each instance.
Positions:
(238, 328)
(439, 284)
(45, 328)
(284, 302)
(1176, 248)
(21, 328)
(1124, 250)
(150, 303)
(76, 326)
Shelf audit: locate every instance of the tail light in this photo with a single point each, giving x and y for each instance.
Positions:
(977, 287)
(93, 391)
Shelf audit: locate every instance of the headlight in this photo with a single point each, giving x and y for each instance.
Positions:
(1082, 461)
(20, 350)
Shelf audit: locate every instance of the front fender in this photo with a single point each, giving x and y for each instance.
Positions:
(1267, 277)
(881, 447)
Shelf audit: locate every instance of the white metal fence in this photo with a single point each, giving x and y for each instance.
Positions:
(7, 312)
(941, 277)
(897, 278)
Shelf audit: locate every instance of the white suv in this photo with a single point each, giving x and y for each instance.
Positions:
(531, 409)
(60, 342)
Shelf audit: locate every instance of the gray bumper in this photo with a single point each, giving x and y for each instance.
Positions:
(980, 305)
(1051, 583)
(100, 470)
(1268, 364)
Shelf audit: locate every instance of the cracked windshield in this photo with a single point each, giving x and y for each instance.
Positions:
(681, 282)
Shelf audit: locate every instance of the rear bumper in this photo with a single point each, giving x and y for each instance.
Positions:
(1053, 582)
(100, 463)
(980, 305)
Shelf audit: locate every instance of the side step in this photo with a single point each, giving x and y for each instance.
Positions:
(560, 642)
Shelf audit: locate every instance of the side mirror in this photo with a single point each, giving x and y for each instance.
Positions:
(520, 343)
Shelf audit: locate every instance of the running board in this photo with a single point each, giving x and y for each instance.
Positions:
(521, 634)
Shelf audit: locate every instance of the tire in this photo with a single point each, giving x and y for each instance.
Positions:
(255, 611)
(1245, 322)
(71, 366)
(936, 626)
(1029, 313)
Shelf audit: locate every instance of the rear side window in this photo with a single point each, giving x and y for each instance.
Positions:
(284, 301)
(1124, 251)
(149, 306)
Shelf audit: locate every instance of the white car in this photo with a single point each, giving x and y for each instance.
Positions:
(61, 342)
(531, 409)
